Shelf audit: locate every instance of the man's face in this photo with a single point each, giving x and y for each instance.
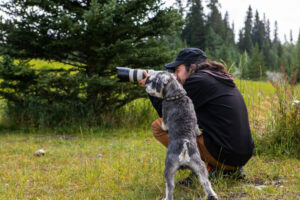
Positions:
(181, 73)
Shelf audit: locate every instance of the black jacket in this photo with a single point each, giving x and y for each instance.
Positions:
(222, 115)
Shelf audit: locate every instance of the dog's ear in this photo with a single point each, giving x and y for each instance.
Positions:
(173, 76)
(165, 78)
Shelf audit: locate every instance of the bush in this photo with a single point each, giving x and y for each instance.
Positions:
(45, 97)
(284, 135)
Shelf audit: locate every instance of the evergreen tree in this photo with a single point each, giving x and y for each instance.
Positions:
(298, 56)
(258, 32)
(94, 36)
(246, 43)
(277, 47)
(257, 67)
(268, 31)
(215, 30)
(267, 47)
(291, 36)
(214, 18)
(276, 38)
(194, 31)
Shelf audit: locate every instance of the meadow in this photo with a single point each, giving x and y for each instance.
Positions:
(122, 160)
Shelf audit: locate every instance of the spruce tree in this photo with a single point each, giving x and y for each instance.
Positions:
(246, 43)
(298, 56)
(257, 66)
(258, 31)
(215, 30)
(276, 38)
(194, 30)
(94, 36)
(277, 47)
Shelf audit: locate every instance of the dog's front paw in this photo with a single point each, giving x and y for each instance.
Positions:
(164, 126)
(198, 131)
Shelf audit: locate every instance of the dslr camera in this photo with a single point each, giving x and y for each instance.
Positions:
(133, 75)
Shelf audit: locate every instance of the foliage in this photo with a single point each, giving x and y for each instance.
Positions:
(93, 36)
(283, 136)
(194, 31)
(257, 67)
(286, 116)
(44, 97)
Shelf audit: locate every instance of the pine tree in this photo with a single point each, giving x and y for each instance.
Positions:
(277, 47)
(267, 47)
(291, 37)
(257, 66)
(94, 36)
(298, 56)
(214, 18)
(268, 31)
(246, 43)
(258, 32)
(215, 30)
(194, 31)
(276, 39)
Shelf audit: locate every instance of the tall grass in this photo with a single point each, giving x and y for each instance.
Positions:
(137, 114)
(283, 136)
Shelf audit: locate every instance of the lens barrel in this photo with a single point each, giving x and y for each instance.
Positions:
(131, 75)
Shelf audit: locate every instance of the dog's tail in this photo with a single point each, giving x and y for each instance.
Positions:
(184, 155)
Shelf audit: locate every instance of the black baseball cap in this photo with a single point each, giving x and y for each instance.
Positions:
(187, 56)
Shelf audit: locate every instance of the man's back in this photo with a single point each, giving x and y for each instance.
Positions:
(222, 114)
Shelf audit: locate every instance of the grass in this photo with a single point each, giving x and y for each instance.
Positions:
(130, 167)
(124, 161)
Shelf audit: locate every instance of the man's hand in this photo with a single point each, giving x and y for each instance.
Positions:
(142, 82)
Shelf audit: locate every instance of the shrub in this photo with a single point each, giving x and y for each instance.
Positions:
(45, 97)
(284, 135)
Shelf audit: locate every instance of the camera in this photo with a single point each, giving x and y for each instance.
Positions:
(126, 74)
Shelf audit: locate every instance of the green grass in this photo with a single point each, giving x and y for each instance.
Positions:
(131, 167)
(42, 64)
(132, 161)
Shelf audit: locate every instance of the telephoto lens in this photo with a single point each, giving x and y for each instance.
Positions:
(126, 74)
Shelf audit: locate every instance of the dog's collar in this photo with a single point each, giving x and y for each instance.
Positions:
(174, 97)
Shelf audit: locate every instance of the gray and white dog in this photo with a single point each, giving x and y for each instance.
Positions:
(179, 118)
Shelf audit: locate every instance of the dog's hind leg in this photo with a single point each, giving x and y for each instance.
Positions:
(199, 168)
(170, 170)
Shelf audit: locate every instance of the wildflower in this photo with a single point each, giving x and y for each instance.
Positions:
(295, 102)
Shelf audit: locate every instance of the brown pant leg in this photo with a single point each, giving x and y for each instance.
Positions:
(163, 137)
(159, 134)
(207, 157)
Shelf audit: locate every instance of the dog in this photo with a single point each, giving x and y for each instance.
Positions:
(179, 119)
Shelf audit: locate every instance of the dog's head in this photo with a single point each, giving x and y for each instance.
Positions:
(156, 83)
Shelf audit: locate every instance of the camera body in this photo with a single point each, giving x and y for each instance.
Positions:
(126, 74)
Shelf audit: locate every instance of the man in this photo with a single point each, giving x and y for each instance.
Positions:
(226, 143)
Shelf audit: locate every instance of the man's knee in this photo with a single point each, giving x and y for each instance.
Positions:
(156, 127)
(159, 134)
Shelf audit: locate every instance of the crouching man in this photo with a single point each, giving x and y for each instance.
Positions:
(226, 143)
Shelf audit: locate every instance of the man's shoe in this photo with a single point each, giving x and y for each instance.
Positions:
(235, 174)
